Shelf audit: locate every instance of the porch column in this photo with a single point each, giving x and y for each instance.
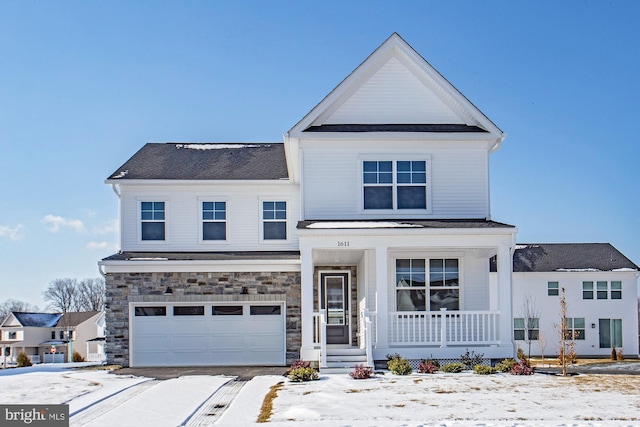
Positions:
(382, 297)
(505, 268)
(306, 299)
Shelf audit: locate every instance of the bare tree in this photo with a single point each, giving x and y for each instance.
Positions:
(15, 305)
(567, 344)
(61, 295)
(531, 315)
(91, 294)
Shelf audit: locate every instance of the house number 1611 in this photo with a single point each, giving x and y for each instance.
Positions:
(343, 243)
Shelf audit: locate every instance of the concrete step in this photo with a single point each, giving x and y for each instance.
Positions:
(346, 351)
(355, 359)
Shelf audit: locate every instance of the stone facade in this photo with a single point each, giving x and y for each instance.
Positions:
(125, 288)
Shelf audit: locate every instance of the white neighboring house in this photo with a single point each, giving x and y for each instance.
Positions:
(36, 334)
(600, 286)
(367, 232)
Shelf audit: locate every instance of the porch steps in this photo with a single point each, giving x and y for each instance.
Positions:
(343, 360)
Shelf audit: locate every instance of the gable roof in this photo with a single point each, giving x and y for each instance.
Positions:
(205, 161)
(396, 86)
(38, 320)
(546, 257)
(75, 318)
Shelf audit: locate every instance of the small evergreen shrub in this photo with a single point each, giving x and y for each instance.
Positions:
(427, 367)
(23, 360)
(620, 354)
(484, 370)
(471, 360)
(303, 374)
(77, 357)
(522, 356)
(296, 365)
(362, 372)
(453, 368)
(614, 355)
(506, 365)
(522, 368)
(399, 366)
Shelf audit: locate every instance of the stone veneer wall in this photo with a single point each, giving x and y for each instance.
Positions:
(123, 288)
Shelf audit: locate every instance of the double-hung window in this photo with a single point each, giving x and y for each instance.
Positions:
(602, 290)
(616, 289)
(274, 220)
(574, 328)
(152, 216)
(587, 290)
(553, 289)
(526, 327)
(214, 220)
(394, 185)
(415, 291)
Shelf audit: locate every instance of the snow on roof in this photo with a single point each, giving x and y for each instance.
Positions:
(121, 174)
(362, 224)
(149, 259)
(218, 146)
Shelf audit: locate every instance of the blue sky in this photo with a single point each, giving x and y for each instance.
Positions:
(83, 85)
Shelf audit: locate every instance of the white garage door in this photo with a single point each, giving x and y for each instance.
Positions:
(193, 334)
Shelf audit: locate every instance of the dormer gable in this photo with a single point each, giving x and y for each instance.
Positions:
(396, 90)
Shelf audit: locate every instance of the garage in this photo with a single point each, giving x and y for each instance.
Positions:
(207, 334)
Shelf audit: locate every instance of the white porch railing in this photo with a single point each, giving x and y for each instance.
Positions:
(367, 335)
(444, 328)
(319, 334)
(96, 357)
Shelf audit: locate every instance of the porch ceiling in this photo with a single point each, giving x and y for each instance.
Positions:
(337, 256)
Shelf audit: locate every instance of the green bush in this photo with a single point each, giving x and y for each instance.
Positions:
(506, 365)
(399, 366)
(303, 374)
(484, 370)
(23, 360)
(453, 368)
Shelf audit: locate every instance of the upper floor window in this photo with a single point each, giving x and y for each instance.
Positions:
(603, 290)
(616, 289)
(152, 216)
(412, 289)
(587, 290)
(274, 220)
(394, 184)
(552, 289)
(12, 335)
(214, 220)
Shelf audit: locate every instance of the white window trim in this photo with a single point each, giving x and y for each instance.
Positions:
(139, 201)
(202, 241)
(394, 158)
(262, 240)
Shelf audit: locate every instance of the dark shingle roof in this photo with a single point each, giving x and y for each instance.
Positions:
(205, 162)
(408, 127)
(204, 256)
(544, 257)
(76, 318)
(39, 320)
(395, 223)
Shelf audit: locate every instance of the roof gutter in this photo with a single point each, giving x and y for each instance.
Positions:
(116, 189)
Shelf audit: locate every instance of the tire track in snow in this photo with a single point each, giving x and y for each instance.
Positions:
(210, 410)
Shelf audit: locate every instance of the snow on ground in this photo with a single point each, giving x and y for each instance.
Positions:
(437, 400)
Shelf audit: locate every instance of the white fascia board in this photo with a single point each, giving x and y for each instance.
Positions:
(405, 231)
(166, 182)
(199, 266)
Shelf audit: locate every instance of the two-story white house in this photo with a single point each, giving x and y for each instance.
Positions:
(366, 232)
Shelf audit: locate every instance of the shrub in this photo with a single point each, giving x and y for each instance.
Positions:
(77, 357)
(296, 365)
(620, 354)
(522, 356)
(522, 368)
(484, 370)
(571, 357)
(471, 360)
(362, 372)
(427, 367)
(399, 366)
(23, 360)
(453, 368)
(614, 355)
(303, 374)
(506, 365)
(393, 356)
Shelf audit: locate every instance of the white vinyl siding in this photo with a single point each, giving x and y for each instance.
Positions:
(332, 180)
(183, 208)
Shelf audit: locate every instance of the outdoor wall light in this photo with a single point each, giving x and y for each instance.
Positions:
(593, 326)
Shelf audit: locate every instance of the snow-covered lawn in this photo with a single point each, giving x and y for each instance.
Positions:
(440, 399)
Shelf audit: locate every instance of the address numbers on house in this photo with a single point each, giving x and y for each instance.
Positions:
(343, 243)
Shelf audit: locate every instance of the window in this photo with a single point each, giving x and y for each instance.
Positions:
(226, 310)
(602, 290)
(152, 217)
(274, 220)
(587, 290)
(394, 185)
(13, 335)
(214, 221)
(265, 310)
(53, 335)
(443, 288)
(574, 328)
(151, 311)
(616, 290)
(520, 331)
(61, 335)
(188, 310)
(610, 333)
(552, 289)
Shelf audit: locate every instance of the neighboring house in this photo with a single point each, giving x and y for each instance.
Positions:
(367, 232)
(600, 287)
(37, 334)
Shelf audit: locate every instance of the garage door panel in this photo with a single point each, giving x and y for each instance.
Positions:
(226, 338)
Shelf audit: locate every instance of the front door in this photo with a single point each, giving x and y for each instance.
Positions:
(335, 300)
